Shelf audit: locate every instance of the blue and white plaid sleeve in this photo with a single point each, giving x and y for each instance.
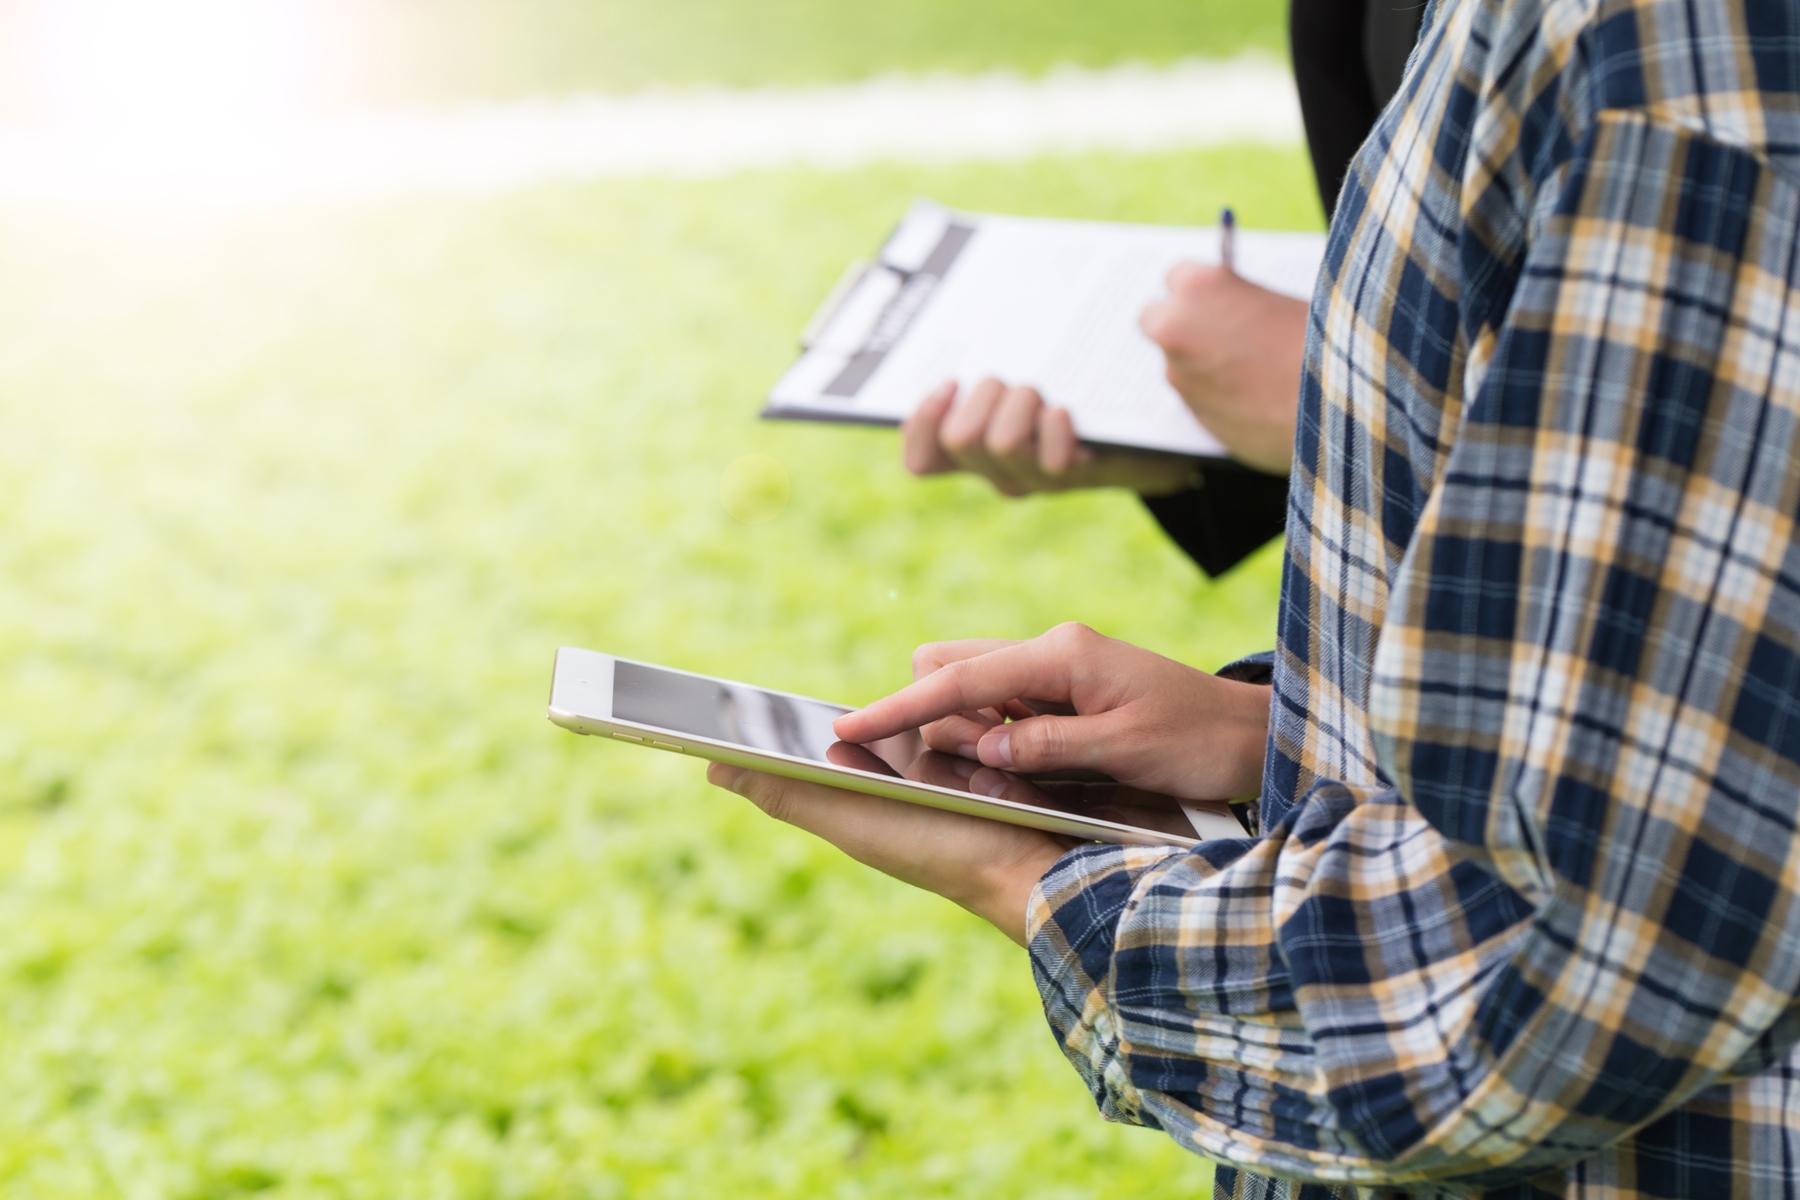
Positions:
(1563, 899)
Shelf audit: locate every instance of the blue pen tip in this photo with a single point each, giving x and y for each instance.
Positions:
(1226, 217)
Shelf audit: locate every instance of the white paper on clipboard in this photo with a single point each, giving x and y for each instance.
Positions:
(1049, 303)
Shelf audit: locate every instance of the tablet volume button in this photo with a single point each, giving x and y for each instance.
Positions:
(667, 746)
(630, 737)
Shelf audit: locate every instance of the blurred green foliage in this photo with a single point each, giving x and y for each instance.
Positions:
(451, 49)
(305, 898)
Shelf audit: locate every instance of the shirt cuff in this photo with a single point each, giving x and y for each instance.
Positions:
(1252, 668)
(1234, 511)
(1070, 928)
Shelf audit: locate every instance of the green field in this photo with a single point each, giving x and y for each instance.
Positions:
(304, 896)
(455, 48)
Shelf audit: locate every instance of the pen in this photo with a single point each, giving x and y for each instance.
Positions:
(1227, 235)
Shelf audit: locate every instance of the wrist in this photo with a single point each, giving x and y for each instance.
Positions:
(1166, 476)
(1001, 895)
(1249, 738)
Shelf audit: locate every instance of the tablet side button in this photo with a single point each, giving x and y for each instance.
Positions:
(630, 737)
(667, 746)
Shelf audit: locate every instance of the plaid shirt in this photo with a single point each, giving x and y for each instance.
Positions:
(1524, 915)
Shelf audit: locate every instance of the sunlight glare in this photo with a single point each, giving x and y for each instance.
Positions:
(125, 66)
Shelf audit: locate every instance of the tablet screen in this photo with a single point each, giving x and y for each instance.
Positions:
(726, 712)
(756, 719)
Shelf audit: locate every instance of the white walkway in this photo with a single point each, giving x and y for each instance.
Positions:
(707, 132)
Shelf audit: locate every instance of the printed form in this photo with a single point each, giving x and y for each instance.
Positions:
(1049, 303)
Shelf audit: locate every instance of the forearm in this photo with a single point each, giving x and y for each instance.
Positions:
(1194, 992)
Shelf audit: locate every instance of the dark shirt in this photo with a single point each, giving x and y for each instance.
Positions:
(1236, 509)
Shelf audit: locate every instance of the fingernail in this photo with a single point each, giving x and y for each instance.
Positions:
(967, 750)
(1003, 749)
(732, 779)
(995, 790)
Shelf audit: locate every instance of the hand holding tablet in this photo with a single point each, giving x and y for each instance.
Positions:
(1150, 789)
(916, 785)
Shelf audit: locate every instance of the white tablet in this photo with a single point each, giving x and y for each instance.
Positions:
(790, 735)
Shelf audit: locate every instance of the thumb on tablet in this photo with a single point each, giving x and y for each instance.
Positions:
(1056, 743)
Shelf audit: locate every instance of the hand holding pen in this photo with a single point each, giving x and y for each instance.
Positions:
(1232, 350)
